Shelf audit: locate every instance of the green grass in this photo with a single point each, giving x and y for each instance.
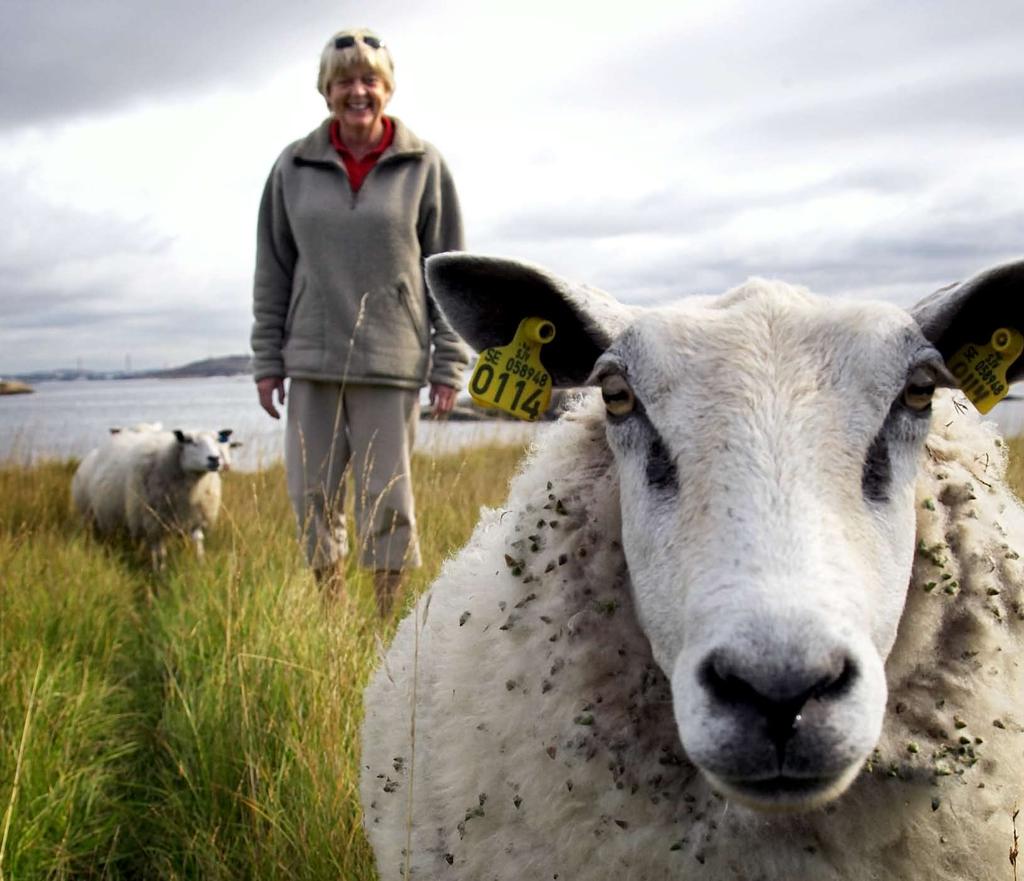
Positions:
(201, 723)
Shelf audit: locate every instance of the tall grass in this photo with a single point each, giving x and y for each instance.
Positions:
(203, 723)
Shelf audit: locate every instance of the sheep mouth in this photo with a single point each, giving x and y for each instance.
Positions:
(784, 792)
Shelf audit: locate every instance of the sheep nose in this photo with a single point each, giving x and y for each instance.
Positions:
(213, 462)
(777, 693)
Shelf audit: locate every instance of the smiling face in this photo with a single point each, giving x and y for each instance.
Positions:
(767, 446)
(357, 98)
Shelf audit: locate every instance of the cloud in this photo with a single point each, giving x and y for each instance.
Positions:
(69, 59)
(891, 233)
(93, 327)
(51, 244)
(92, 284)
(856, 147)
(747, 54)
(688, 205)
(985, 105)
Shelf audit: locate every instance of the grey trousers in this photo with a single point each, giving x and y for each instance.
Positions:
(334, 430)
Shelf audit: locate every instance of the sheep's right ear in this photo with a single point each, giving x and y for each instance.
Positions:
(485, 298)
(115, 429)
(180, 435)
(970, 312)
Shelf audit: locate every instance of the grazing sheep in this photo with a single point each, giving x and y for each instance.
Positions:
(705, 638)
(152, 482)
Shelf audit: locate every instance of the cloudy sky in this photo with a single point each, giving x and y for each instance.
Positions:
(860, 147)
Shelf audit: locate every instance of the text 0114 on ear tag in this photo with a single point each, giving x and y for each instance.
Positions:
(980, 369)
(511, 377)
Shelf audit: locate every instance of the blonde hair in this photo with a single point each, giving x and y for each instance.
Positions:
(339, 62)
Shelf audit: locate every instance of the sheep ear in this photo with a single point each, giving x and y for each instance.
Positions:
(223, 435)
(180, 435)
(115, 429)
(485, 298)
(969, 312)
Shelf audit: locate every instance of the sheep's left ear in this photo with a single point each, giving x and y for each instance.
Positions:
(969, 312)
(181, 436)
(223, 435)
(485, 298)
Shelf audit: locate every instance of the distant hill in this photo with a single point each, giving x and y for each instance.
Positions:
(227, 365)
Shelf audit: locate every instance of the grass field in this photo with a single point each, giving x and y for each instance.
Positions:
(203, 723)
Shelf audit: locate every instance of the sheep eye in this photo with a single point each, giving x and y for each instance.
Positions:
(617, 395)
(918, 392)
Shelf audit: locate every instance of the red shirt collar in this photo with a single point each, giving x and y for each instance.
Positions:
(382, 145)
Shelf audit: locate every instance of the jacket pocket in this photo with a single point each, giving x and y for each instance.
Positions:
(293, 307)
(416, 316)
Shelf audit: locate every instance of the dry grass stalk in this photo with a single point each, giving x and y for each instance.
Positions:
(9, 813)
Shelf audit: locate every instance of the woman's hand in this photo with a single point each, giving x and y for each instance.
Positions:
(442, 398)
(265, 388)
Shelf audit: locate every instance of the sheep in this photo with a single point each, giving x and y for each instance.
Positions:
(139, 426)
(151, 482)
(753, 612)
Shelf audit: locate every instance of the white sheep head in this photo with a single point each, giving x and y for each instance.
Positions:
(201, 451)
(767, 444)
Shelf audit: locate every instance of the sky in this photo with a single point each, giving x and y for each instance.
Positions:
(867, 148)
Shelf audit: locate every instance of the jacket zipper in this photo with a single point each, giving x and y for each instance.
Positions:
(394, 157)
(355, 195)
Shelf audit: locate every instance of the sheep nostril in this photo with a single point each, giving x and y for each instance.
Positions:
(717, 675)
(837, 680)
(213, 462)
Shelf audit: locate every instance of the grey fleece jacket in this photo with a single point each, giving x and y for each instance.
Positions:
(339, 292)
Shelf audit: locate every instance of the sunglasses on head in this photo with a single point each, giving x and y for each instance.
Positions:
(348, 41)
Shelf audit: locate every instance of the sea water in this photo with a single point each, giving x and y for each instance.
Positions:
(61, 420)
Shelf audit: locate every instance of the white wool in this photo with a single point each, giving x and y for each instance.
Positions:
(544, 731)
(138, 426)
(146, 482)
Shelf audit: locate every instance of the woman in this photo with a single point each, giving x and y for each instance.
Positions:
(340, 308)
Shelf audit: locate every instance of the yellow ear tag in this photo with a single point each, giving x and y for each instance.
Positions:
(980, 370)
(511, 377)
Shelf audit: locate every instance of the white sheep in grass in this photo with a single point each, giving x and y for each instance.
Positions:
(151, 483)
(704, 638)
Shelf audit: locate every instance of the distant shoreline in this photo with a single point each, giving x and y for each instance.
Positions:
(227, 365)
